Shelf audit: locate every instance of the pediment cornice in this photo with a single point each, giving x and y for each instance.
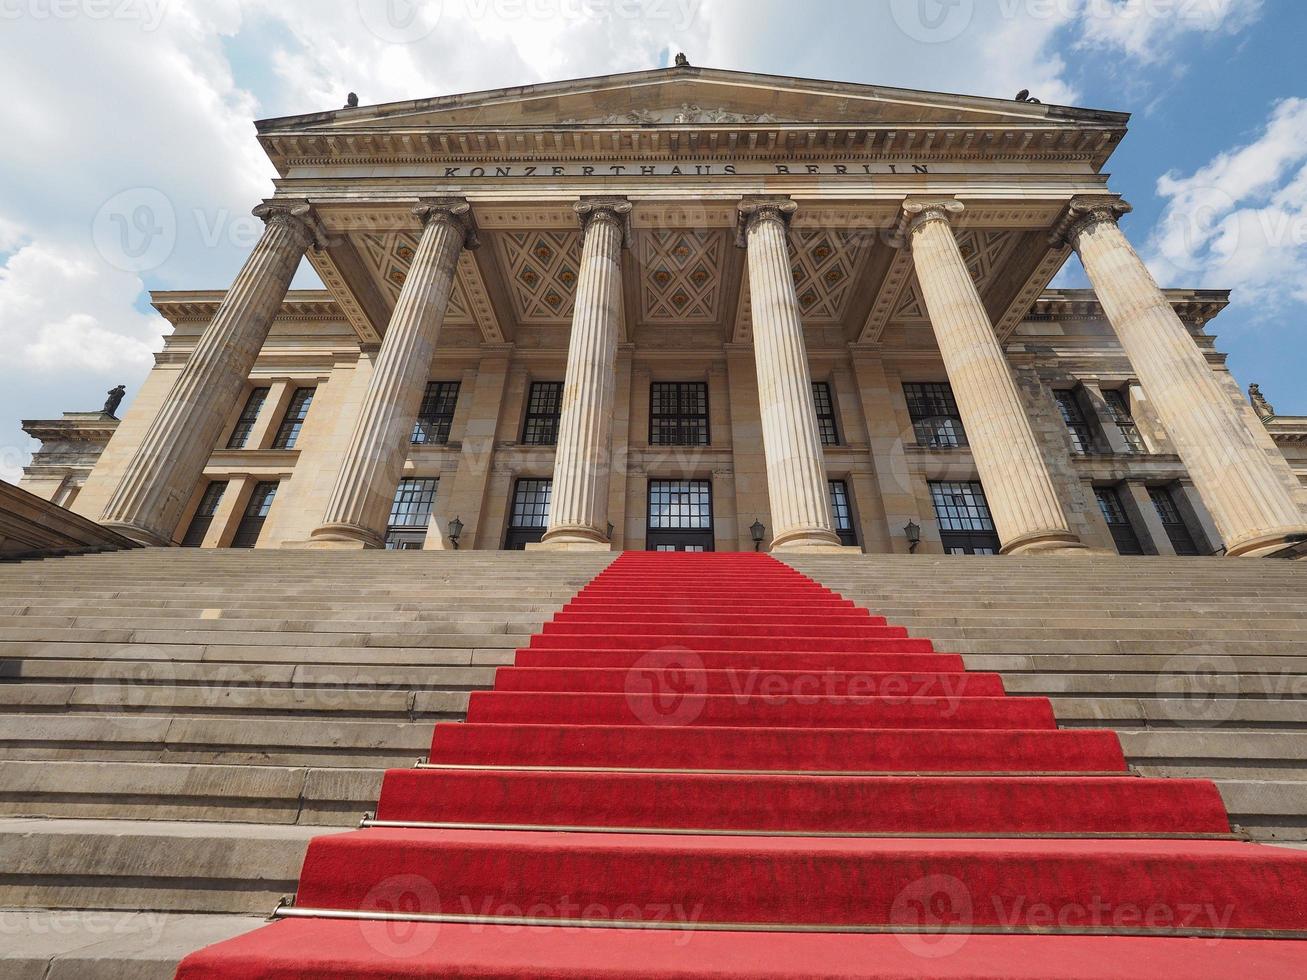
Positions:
(672, 113)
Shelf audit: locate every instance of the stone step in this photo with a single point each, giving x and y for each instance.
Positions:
(205, 701)
(218, 676)
(107, 945)
(1162, 712)
(342, 633)
(1194, 659)
(164, 791)
(110, 616)
(500, 652)
(1235, 684)
(149, 866)
(213, 740)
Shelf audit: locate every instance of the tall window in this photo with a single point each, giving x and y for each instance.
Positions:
(203, 518)
(249, 415)
(256, 512)
(1082, 441)
(1118, 522)
(410, 513)
(1176, 529)
(825, 402)
(1119, 408)
(530, 513)
(965, 524)
(678, 414)
(842, 512)
(544, 404)
(680, 515)
(437, 414)
(935, 417)
(288, 433)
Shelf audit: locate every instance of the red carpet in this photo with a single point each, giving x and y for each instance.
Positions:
(711, 766)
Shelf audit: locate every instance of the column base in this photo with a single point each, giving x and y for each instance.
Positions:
(1263, 545)
(140, 535)
(576, 538)
(344, 537)
(1044, 543)
(808, 540)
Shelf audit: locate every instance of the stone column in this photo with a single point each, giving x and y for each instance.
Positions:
(578, 511)
(365, 488)
(1020, 492)
(158, 481)
(1252, 506)
(796, 471)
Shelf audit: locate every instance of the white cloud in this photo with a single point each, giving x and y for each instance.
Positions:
(1147, 30)
(11, 234)
(1240, 221)
(66, 312)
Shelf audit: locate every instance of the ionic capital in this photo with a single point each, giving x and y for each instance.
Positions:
(919, 211)
(298, 217)
(616, 210)
(753, 210)
(1085, 212)
(452, 211)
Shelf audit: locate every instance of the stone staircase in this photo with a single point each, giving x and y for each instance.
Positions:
(1200, 664)
(175, 726)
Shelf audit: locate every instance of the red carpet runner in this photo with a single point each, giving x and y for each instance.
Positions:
(711, 766)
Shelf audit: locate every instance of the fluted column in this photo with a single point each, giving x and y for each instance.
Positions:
(796, 471)
(1020, 493)
(578, 510)
(365, 488)
(161, 475)
(1248, 499)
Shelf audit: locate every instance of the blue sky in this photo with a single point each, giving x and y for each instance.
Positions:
(150, 102)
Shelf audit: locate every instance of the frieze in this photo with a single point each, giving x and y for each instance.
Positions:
(539, 171)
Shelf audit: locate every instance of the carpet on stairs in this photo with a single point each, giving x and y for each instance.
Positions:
(712, 766)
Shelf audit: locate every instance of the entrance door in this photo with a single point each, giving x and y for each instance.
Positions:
(680, 515)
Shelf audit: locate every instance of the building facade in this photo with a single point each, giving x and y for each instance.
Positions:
(690, 308)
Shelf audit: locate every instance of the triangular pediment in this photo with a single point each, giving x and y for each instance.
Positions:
(689, 96)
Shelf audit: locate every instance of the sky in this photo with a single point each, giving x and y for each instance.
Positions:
(130, 162)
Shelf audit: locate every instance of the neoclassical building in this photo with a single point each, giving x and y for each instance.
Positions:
(689, 308)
